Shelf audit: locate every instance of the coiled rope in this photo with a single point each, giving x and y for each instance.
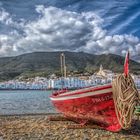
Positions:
(125, 97)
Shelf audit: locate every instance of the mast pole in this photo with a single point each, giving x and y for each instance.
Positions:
(63, 68)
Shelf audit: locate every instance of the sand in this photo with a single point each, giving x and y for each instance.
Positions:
(38, 127)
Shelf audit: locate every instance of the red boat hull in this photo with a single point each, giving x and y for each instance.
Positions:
(89, 104)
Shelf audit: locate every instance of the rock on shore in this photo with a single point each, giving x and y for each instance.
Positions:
(38, 127)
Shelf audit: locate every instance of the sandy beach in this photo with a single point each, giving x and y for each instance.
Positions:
(38, 127)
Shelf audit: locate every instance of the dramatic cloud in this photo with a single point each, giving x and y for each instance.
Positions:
(56, 29)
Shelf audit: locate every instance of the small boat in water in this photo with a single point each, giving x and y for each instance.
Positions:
(90, 104)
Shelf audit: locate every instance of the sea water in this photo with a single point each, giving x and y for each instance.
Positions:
(25, 102)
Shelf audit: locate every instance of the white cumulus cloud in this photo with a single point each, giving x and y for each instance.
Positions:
(56, 29)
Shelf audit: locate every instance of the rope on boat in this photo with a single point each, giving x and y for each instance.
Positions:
(125, 97)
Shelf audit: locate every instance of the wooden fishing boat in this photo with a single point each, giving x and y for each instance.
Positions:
(90, 104)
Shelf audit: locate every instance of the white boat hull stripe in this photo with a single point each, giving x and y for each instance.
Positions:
(75, 96)
(84, 89)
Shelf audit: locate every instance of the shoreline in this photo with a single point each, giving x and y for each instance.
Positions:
(38, 127)
(44, 89)
(51, 89)
(29, 114)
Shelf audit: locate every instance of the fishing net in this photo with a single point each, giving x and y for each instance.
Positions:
(125, 97)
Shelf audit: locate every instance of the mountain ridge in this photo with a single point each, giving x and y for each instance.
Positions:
(46, 63)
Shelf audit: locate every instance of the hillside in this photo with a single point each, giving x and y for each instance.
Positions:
(45, 63)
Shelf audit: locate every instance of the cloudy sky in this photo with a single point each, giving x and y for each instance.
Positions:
(93, 26)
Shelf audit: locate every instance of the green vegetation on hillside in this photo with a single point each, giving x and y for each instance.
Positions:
(47, 63)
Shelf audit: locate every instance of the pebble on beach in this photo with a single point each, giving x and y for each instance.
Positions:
(38, 127)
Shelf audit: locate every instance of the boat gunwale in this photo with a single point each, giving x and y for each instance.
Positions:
(82, 91)
(82, 95)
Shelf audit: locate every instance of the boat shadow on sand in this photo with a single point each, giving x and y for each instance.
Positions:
(134, 130)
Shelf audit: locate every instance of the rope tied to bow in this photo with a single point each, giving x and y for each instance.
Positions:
(126, 97)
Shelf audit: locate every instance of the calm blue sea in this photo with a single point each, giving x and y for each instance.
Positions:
(25, 102)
